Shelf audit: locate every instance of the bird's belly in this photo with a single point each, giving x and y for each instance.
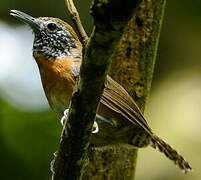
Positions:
(58, 104)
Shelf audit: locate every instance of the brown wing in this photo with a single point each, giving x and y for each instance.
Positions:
(116, 98)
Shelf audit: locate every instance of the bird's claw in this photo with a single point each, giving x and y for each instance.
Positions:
(95, 125)
(64, 116)
(95, 128)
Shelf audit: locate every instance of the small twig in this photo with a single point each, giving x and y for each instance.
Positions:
(76, 20)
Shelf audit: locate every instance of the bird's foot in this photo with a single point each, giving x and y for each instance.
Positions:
(64, 116)
(95, 128)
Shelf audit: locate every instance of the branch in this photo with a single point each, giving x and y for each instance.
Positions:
(109, 26)
(76, 20)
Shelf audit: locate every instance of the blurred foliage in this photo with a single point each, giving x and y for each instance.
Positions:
(28, 139)
(180, 38)
(50, 8)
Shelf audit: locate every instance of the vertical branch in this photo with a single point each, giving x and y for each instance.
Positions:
(132, 66)
(109, 26)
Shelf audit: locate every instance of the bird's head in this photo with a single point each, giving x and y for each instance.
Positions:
(54, 38)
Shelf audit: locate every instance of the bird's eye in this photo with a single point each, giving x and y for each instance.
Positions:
(52, 26)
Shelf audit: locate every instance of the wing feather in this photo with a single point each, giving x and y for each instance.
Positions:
(116, 98)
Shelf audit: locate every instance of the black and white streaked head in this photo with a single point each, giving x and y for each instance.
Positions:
(54, 38)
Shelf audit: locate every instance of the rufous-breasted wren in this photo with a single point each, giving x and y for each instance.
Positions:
(58, 53)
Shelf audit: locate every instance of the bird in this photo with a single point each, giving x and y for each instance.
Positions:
(58, 54)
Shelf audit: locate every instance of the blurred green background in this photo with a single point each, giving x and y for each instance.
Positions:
(29, 131)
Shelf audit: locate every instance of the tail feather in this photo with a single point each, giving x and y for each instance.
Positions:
(172, 154)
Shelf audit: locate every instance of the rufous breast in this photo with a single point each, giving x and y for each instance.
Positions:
(58, 81)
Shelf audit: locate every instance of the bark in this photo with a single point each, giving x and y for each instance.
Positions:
(132, 66)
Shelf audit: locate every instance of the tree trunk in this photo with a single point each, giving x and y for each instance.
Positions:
(132, 66)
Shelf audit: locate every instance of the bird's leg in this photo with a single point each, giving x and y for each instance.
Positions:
(95, 128)
(105, 120)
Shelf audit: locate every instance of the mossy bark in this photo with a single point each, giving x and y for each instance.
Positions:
(132, 66)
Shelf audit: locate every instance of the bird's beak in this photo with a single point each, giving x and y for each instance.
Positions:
(31, 21)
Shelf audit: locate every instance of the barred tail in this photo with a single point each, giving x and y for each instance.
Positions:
(172, 154)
